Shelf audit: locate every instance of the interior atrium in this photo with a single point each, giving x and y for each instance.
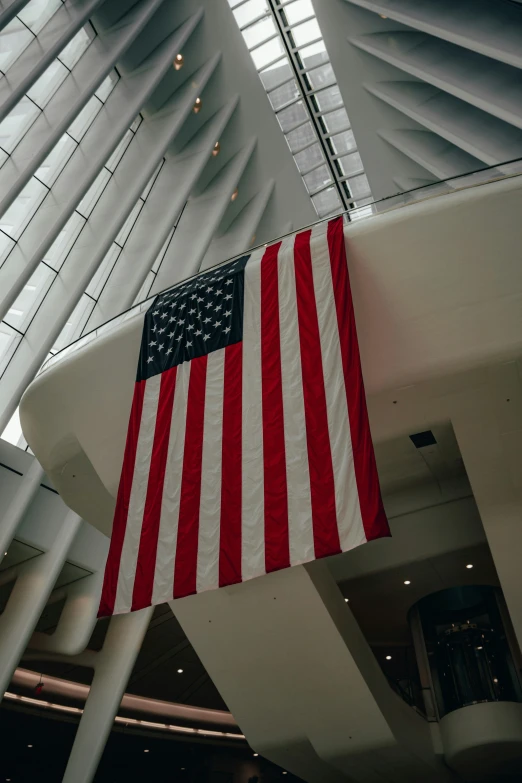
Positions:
(145, 141)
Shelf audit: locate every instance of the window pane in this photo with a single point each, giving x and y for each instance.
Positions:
(326, 202)
(13, 432)
(293, 115)
(43, 89)
(314, 55)
(351, 164)
(15, 219)
(267, 52)
(301, 136)
(88, 202)
(298, 10)
(329, 99)
(321, 76)
(317, 178)
(119, 151)
(9, 339)
(107, 86)
(84, 119)
(259, 32)
(59, 250)
(309, 157)
(343, 142)
(14, 38)
(102, 273)
(17, 123)
(56, 160)
(306, 32)
(30, 297)
(70, 55)
(6, 245)
(336, 120)
(250, 11)
(359, 186)
(287, 92)
(38, 12)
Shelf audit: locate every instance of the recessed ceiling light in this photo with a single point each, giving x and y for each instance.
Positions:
(346, 600)
(256, 754)
(479, 648)
(146, 750)
(407, 582)
(197, 106)
(178, 62)
(234, 195)
(5, 553)
(217, 149)
(29, 746)
(180, 671)
(388, 657)
(495, 679)
(469, 565)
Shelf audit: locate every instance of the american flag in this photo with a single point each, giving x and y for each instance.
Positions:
(248, 448)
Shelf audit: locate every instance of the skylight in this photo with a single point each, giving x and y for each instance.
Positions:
(288, 50)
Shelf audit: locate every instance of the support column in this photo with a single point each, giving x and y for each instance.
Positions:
(113, 668)
(19, 505)
(29, 596)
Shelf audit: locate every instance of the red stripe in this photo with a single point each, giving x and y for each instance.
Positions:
(119, 525)
(322, 487)
(277, 548)
(146, 563)
(231, 460)
(185, 568)
(370, 501)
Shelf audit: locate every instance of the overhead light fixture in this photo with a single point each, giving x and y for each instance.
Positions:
(5, 554)
(495, 679)
(180, 671)
(234, 195)
(146, 750)
(256, 755)
(29, 746)
(469, 565)
(388, 657)
(179, 61)
(346, 600)
(479, 647)
(407, 582)
(382, 16)
(197, 106)
(217, 149)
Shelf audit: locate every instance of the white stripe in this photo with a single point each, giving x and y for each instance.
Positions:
(138, 495)
(349, 520)
(211, 462)
(253, 506)
(163, 588)
(300, 529)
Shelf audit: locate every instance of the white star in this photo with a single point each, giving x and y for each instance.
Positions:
(179, 338)
(171, 335)
(155, 312)
(200, 299)
(193, 296)
(172, 318)
(198, 332)
(151, 344)
(190, 326)
(163, 315)
(209, 289)
(226, 329)
(182, 305)
(154, 328)
(208, 304)
(218, 292)
(187, 345)
(228, 282)
(170, 350)
(218, 307)
(161, 347)
(150, 359)
(160, 331)
(217, 323)
(207, 320)
(191, 312)
(181, 322)
(228, 296)
(206, 337)
(227, 312)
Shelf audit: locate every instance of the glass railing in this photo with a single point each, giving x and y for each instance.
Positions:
(461, 182)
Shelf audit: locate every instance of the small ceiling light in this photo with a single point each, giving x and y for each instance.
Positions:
(469, 565)
(388, 657)
(29, 746)
(495, 679)
(146, 750)
(197, 106)
(407, 582)
(256, 755)
(346, 600)
(234, 195)
(382, 16)
(217, 149)
(179, 61)
(5, 553)
(180, 671)
(479, 648)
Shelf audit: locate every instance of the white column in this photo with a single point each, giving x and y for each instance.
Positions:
(113, 668)
(24, 494)
(29, 596)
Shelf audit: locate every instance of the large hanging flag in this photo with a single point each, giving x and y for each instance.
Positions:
(248, 448)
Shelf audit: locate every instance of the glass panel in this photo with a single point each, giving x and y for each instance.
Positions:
(306, 32)
(17, 123)
(309, 157)
(301, 136)
(321, 76)
(118, 152)
(43, 89)
(107, 86)
(359, 186)
(298, 10)
(6, 245)
(15, 219)
(351, 164)
(9, 339)
(56, 160)
(3, 157)
(59, 250)
(38, 12)
(326, 202)
(314, 55)
(73, 328)
(30, 297)
(136, 124)
(276, 74)
(259, 32)
(75, 48)
(343, 142)
(317, 178)
(102, 273)
(150, 183)
(293, 115)
(249, 11)
(329, 99)
(14, 38)
(267, 52)
(282, 95)
(336, 120)
(84, 119)
(129, 223)
(88, 202)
